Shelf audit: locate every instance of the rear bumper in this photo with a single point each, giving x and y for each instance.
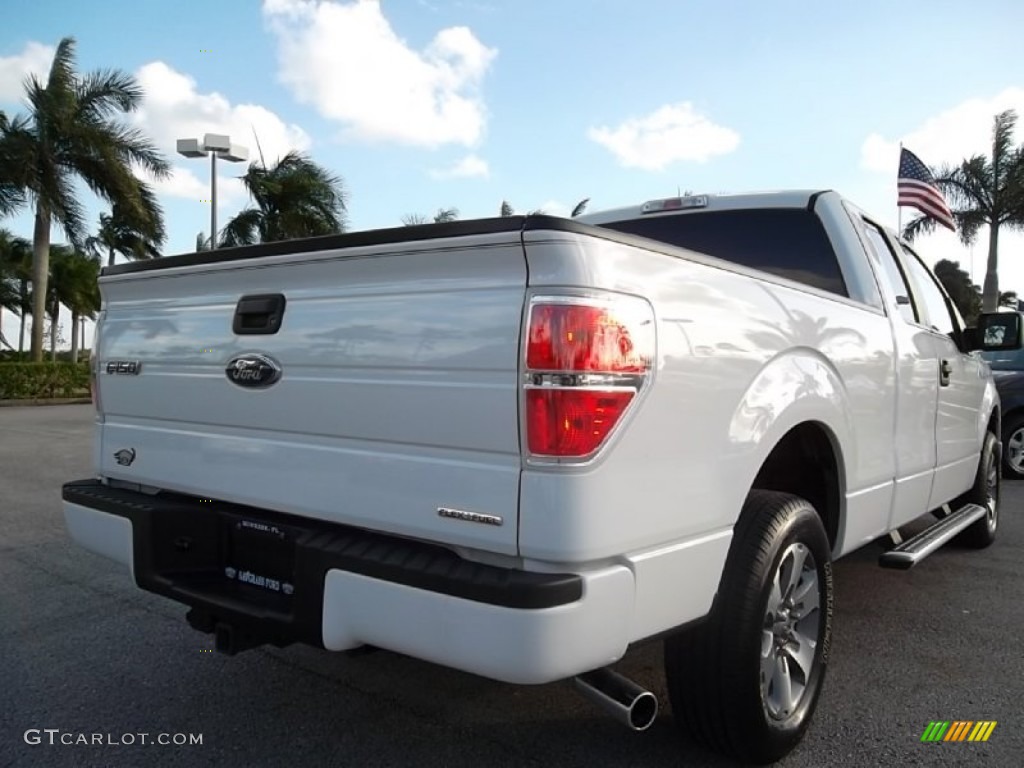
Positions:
(340, 588)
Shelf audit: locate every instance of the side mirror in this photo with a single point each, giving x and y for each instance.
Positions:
(995, 331)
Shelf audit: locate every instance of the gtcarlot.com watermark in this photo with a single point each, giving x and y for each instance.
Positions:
(56, 737)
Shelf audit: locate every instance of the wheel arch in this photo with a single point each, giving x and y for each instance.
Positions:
(800, 443)
(808, 462)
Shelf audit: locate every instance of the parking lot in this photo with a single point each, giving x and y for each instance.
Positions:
(85, 652)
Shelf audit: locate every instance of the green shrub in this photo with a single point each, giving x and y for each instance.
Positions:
(13, 356)
(24, 381)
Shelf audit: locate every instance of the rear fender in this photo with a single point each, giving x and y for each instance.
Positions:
(796, 387)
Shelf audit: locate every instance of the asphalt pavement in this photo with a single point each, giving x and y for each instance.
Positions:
(84, 652)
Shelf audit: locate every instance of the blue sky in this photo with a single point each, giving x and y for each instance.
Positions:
(422, 104)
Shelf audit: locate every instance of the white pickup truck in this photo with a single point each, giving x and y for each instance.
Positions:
(519, 446)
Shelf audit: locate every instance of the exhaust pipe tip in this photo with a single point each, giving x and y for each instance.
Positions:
(627, 702)
(643, 712)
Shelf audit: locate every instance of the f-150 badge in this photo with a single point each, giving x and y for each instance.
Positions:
(124, 367)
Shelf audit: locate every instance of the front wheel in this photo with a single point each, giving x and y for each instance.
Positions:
(746, 682)
(985, 493)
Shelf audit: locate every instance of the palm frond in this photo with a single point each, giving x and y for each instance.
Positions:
(922, 225)
(445, 215)
(63, 205)
(964, 186)
(968, 223)
(90, 142)
(1002, 144)
(243, 229)
(61, 79)
(580, 207)
(104, 92)
(295, 197)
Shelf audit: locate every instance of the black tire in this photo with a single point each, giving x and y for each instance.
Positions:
(714, 670)
(1013, 467)
(986, 493)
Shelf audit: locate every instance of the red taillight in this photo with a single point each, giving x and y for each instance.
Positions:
(585, 361)
(575, 337)
(571, 422)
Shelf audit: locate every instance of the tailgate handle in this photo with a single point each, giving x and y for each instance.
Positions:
(259, 314)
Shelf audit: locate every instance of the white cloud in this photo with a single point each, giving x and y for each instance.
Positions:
(345, 60)
(554, 208)
(468, 167)
(186, 183)
(671, 133)
(173, 109)
(960, 132)
(34, 59)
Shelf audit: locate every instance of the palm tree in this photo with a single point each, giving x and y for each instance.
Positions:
(82, 297)
(15, 273)
(12, 196)
(8, 291)
(72, 132)
(8, 297)
(74, 284)
(123, 232)
(984, 192)
(443, 216)
(294, 198)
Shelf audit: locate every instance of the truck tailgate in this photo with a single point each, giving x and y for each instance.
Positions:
(397, 396)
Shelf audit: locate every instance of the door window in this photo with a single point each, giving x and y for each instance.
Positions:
(892, 273)
(939, 316)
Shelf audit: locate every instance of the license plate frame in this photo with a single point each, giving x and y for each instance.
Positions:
(259, 556)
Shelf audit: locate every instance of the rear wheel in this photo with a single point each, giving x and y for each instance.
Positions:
(984, 493)
(1013, 448)
(746, 682)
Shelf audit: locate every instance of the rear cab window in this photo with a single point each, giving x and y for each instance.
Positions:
(786, 242)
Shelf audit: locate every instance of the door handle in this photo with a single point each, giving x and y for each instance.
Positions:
(261, 314)
(945, 371)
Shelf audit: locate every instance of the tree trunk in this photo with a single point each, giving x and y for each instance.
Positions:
(54, 327)
(23, 295)
(40, 277)
(990, 295)
(74, 336)
(110, 260)
(81, 346)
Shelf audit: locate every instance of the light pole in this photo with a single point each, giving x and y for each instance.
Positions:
(215, 145)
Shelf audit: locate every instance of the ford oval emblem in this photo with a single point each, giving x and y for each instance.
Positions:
(253, 371)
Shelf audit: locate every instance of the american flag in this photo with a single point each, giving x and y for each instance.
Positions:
(917, 189)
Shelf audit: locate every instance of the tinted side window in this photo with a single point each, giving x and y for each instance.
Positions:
(935, 302)
(788, 242)
(891, 271)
